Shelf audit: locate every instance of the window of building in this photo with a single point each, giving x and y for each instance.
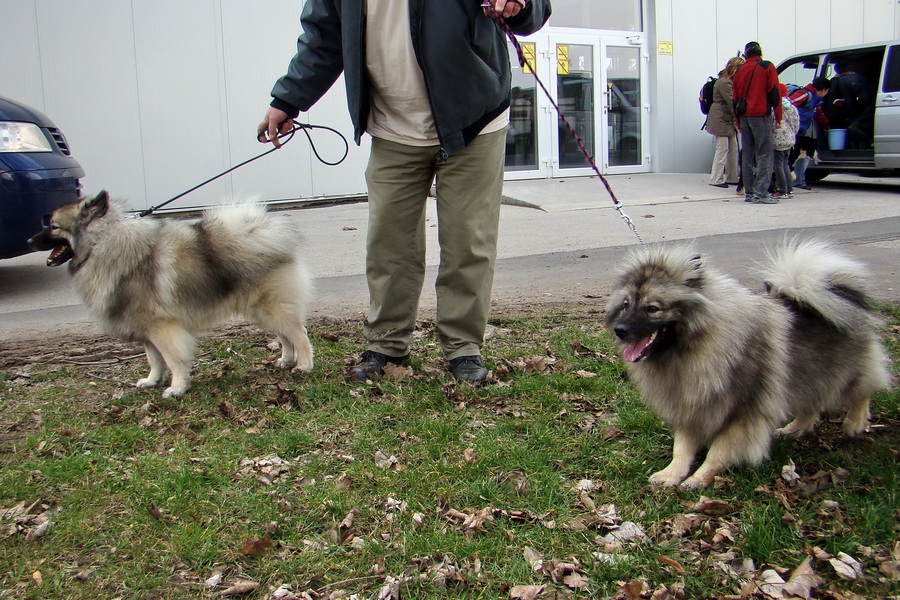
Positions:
(622, 15)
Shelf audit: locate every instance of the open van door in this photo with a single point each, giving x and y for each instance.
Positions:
(887, 113)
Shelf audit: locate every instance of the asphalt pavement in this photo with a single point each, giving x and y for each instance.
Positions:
(560, 241)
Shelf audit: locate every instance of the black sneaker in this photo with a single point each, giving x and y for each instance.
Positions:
(469, 369)
(371, 365)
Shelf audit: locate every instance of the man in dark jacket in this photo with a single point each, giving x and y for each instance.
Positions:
(429, 80)
(757, 82)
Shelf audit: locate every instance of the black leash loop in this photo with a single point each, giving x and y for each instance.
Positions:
(286, 137)
(488, 6)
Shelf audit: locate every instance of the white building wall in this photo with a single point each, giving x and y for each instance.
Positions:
(705, 34)
(158, 95)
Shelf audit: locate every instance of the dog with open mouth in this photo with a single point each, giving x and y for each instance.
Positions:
(724, 367)
(162, 281)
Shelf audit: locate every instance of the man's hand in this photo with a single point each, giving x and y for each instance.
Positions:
(276, 122)
(506, 8)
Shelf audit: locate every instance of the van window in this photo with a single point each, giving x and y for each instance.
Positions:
(892, 71)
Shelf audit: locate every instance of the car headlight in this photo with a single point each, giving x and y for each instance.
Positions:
(22, 137)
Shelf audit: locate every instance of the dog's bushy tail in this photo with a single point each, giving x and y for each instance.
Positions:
(249, 224)
(815, 276)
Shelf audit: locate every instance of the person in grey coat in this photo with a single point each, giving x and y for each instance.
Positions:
(430, 82)
(720, 123)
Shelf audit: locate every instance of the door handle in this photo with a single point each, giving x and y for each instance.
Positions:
(889, 99)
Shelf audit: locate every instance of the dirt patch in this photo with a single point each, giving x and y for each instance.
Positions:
(85, 345)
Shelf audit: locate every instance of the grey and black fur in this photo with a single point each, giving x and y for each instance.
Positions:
(162, 281)
(725, 367)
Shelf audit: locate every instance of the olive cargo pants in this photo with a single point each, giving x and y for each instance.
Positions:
(469, 185)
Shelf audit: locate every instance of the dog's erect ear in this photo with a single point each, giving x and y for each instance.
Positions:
(97, 206)
(695, 277)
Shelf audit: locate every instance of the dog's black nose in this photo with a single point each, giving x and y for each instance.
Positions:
(621, 331)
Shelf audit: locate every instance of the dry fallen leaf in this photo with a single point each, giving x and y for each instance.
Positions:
(393, 371)
(770, 583)
(575, 581)
(526, 592)
(383, 462)
(633, 590)
(534, 559)
(803, 580)
(243, 587)
(255, 547)
(343, 531)
(712, 508)
(672, 563)
(846, 567)
(215, 578)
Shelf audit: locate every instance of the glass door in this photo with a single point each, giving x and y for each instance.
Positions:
(574, 84)
(598, 81)
(625, 118)
(527, 141)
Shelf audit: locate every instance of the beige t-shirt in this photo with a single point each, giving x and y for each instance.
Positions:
(400, 110)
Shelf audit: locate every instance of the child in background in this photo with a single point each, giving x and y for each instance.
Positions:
(782, 141)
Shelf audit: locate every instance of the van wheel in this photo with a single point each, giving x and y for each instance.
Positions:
(813, 175)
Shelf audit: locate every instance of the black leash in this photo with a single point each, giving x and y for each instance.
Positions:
(287, 136)
(587, 155)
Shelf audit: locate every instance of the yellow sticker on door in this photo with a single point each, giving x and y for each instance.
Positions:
(562, 60)
(529, 51)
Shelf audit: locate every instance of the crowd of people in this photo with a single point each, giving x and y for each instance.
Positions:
(764, 140)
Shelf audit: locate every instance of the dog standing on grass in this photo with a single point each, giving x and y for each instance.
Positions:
(161, 281)
(725, 367)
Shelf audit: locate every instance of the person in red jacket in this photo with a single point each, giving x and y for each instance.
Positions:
(756, 84)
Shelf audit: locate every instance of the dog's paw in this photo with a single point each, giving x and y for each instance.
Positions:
(281, 363)
(147, 383)
(797, 428)
(174, 392)
(854, 428)
(666, 478)
(702, 477)
(697, 483)
(303, 366)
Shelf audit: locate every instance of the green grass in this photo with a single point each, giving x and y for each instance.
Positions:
(148, 497)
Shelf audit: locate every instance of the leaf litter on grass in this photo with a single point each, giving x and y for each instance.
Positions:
(410, 527)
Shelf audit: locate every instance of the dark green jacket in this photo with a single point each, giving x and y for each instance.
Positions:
(462, 53)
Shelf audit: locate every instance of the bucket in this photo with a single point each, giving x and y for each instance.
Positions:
(836, 139)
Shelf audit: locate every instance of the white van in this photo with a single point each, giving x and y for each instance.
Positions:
(874, 147)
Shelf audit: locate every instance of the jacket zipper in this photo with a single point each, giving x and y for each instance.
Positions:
(415, 45)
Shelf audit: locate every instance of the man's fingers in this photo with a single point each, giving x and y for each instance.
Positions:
(273, 134)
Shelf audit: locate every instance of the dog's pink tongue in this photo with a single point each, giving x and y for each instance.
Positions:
(635, 351)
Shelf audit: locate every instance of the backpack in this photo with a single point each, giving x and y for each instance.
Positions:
(793, 87)
(706, 95)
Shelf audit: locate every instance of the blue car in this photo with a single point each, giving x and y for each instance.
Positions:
(37, 175)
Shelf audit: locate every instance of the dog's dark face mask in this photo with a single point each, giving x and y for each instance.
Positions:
(648, 311)
(65, 223)
(644, 326)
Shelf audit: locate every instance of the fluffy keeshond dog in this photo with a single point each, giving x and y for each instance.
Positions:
(725, 367)
(161, 281)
